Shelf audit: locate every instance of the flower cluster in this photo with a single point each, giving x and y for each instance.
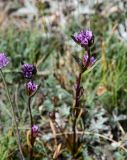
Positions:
(28, 70)
(3, 60)
(85, 38)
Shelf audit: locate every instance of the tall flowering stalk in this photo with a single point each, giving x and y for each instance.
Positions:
(3, 63)
(28, 71)
(84, 38)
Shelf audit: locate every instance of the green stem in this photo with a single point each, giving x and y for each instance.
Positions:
(14, 117)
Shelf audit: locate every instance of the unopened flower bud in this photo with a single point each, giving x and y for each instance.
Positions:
(31, 88)
(35, 130)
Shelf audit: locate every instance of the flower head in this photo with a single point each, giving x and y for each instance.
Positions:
(31, 88)
(85, 38)
(3, 60)
(35, 130)
(85, 59)
(28, 70)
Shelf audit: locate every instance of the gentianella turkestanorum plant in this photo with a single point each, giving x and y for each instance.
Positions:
(4, 61)
(28, 72)
(84, 38)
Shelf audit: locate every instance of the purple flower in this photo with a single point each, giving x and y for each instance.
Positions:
(28, 70)
(85, 38)
(85, 59)
(35, 130)
(31, 88)
(3, 60)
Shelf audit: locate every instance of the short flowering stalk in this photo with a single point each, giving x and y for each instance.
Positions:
(3, 63)
(31, 88)
(85, 38)
(28, 72)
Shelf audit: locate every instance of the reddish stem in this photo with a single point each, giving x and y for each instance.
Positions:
(77, 100)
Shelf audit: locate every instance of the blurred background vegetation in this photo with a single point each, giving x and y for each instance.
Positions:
(39, 32)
